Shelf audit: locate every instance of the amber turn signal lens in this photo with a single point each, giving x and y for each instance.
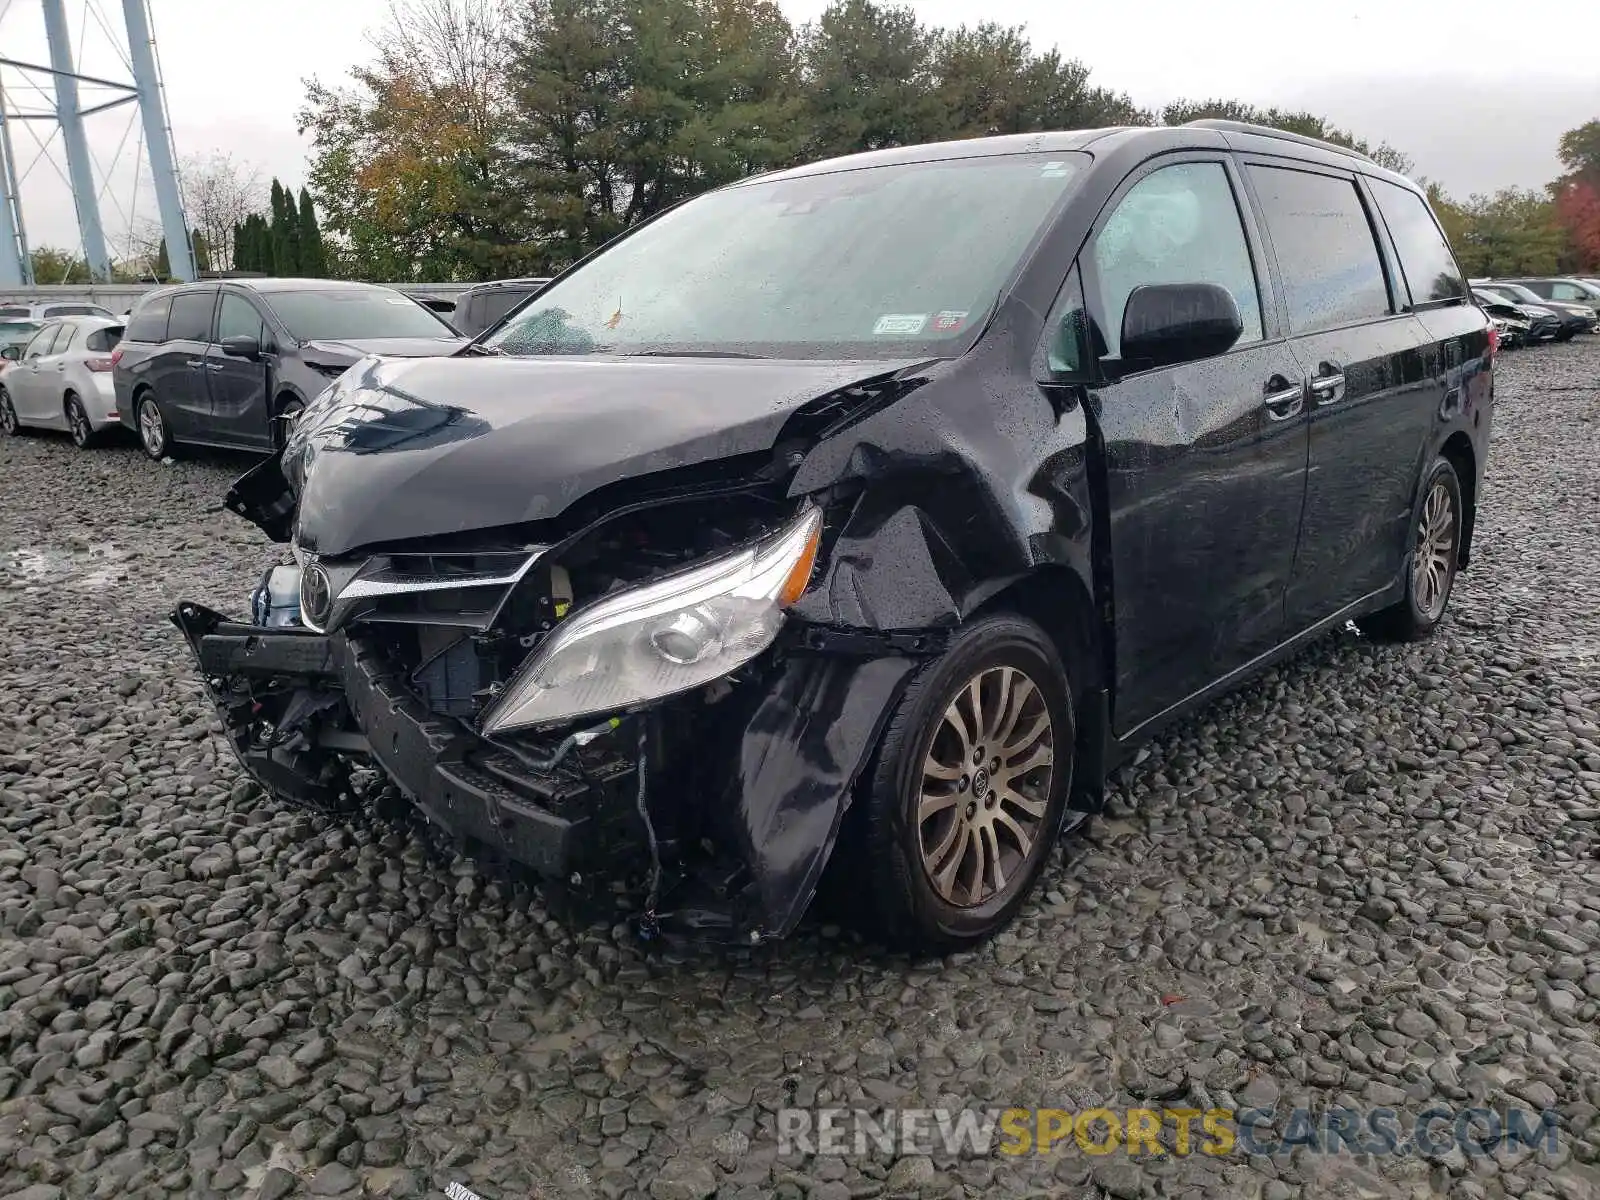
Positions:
(800, 574)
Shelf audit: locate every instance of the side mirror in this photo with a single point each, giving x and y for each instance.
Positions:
(14, 353)
(242, 347)
(1168, 323)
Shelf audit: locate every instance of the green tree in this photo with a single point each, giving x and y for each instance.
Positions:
(408, 162)
(1579, 151)
(201, 250)
(313, 259)
(163, 262)
(1513, 232)
(990, 80)
(627, 106)
(868, 71)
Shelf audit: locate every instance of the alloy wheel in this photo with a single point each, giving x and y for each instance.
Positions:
(985, 786)
(78, 421)
(1435, 553)
(151, 430)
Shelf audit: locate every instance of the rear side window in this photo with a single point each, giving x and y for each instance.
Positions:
(102, 340)
(496, 304)
(1425, 259)
(7, 314)
(1176, 225)
(1332, 274)
(191, 317)
(1571, 291)
(149, 324)
(65, 339)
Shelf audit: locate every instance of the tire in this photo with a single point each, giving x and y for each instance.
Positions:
(9, 425)
(1429, 576)
(933, 885)
(283, 421)
(154, 436)
(83, 434)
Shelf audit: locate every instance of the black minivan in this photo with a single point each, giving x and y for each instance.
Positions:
(868, 513)
(231, 363)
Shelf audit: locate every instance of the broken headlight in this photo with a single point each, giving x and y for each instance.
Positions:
(664, 637)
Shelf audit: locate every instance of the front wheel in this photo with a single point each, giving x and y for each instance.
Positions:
(1435, 556)
(969, 787)
(9, 425)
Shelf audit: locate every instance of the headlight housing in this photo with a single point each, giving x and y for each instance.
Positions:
(665, 637)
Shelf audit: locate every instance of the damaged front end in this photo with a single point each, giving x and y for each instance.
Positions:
(630, 701)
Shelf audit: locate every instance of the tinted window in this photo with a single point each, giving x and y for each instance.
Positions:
(102, 340)
(1177, 225)
(149, 323)
(191, 317)
(6, 313)
(238, 318)
(1573, 291)
(1332, 274)
(1425, 259)
(878, 262)
(355, 313)
(499, 302)
(76, 310)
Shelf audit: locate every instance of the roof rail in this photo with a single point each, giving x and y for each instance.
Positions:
(1268, 131)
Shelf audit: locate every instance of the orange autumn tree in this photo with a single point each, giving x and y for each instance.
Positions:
(1577, 193)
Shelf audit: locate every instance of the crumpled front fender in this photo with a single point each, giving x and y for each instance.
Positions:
(799, 757)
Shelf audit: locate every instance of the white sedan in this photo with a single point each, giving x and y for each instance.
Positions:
(62, 379)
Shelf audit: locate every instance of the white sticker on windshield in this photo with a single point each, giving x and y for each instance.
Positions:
(903, 324)
(397, 300)
(1054, 170)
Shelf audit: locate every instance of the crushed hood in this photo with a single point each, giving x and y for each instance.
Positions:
(420, 447)
(333, 353)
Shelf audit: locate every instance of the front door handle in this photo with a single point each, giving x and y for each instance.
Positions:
(213, 366)
(195, 364)
(1283, 400)
(1327, 385)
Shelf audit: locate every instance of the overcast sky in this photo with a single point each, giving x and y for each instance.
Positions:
(1476, 91)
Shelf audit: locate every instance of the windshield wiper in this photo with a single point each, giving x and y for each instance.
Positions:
(477, 349)
(690, 354)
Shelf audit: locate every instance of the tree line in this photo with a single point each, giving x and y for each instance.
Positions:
(487, 140)
(1523, 231)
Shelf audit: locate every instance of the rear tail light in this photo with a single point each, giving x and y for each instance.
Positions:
(1494, 341)
(101, 364)
(116, 356)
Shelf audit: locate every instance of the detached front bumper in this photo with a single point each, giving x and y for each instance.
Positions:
(768, 783)
(549, 821)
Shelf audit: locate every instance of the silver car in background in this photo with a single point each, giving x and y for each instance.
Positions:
(61, 379)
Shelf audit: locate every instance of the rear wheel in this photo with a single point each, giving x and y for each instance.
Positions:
(1435, 556)
(83, 435)
(969, 787)
(153, 435)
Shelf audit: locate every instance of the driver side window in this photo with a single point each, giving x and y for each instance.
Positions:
(1179, 224)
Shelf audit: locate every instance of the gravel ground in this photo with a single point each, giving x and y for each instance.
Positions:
(1370, 878)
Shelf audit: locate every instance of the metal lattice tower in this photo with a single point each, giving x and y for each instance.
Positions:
(68, 114)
